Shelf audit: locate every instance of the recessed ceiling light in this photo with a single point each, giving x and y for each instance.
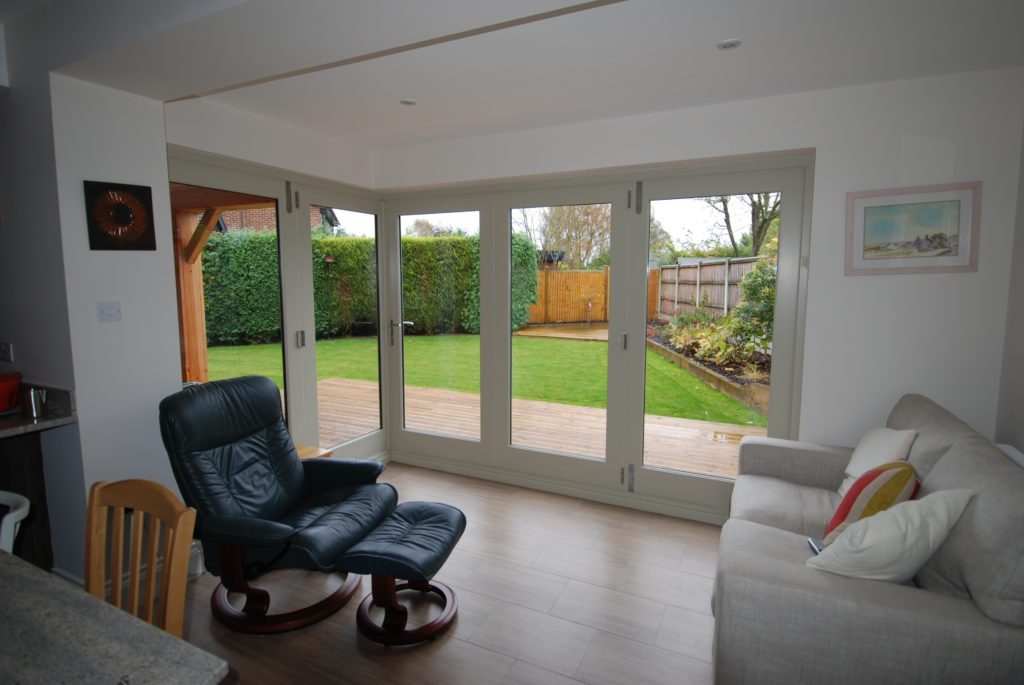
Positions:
(408, 101)
(729, 44)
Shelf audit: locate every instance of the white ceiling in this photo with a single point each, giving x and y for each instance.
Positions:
(634, 57)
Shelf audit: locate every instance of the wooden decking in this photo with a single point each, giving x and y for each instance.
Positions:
(350, 408)
(591, 331)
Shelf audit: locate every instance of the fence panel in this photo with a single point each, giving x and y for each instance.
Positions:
(570, 297)
(713, 284)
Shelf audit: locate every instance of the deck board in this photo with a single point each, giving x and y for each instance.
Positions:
(350, 408)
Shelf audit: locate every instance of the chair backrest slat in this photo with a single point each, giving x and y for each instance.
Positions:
(168, 535)
(135, 561)
(150, 597)
(117, 557)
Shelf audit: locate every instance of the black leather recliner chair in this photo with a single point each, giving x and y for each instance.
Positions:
(259, 506)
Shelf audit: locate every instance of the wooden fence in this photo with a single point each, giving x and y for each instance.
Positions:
(582, 296)
(571, 297)
(710, 283)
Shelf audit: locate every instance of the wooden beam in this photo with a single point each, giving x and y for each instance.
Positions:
(191, 301)
(201, 234)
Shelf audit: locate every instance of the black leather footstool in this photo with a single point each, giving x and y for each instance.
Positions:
(411, 544)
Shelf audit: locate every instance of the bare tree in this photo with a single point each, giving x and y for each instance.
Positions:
(582, 232)
(721, 203)
(764, 209)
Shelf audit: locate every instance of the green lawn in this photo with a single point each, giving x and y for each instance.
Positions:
(550, 370)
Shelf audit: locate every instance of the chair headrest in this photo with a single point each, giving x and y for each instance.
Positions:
(201, 417)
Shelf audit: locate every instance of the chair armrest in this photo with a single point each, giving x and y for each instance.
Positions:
(240, 530)
(778, 621)
(804, 463)
(329, 474)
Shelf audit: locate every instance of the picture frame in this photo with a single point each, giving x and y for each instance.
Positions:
(119, 216)
(922, 229)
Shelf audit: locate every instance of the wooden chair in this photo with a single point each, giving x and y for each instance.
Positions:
(158, 526)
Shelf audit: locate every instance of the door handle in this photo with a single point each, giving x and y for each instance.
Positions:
(392, 325)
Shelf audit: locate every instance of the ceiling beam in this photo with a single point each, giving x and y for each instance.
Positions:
(408, 47)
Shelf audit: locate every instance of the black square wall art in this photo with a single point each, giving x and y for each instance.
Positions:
(120, 216)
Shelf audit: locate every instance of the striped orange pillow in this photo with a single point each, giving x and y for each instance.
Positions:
(875, 491)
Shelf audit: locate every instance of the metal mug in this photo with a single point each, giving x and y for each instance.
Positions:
(33, 404)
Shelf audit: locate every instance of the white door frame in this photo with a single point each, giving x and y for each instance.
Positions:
(374, 443)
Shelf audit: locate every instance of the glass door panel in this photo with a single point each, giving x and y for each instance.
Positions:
(439, 326)
(346, 323)
(711, 297)
(559, 303)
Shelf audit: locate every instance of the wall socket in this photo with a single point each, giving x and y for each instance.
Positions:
(7, 352)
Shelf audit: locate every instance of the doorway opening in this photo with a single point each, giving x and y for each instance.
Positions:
(228, 273)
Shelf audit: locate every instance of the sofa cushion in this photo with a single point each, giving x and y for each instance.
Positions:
(894, 544)
(983, 557)
(937, 430)
(875, 491)
(877, 447)
(778, 503)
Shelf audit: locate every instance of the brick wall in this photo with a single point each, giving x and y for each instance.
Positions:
(261, 219)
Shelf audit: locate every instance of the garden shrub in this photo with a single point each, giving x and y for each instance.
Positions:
(524, 286)
(437, 277)
(441, 289)
(755, 315)
(242, 288)
(345, 291)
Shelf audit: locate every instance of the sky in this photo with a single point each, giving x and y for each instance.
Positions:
(686, 220)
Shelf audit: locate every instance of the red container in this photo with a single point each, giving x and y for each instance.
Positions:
(10, 390)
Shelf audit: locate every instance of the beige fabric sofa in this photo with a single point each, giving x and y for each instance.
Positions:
(960, 621)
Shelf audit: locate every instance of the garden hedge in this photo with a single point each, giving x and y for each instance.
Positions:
(441, 289)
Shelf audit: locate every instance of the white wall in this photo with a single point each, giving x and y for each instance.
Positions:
(868, 339)
(122, 369)
(34, 310)
(1010, 425)
(32, 267)
(221, 129)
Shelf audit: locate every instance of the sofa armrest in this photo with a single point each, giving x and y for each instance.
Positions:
(804, 463)
(781, 622)
(330, 473)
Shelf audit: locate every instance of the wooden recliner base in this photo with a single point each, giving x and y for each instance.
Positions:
(253, 617)
(392, 630)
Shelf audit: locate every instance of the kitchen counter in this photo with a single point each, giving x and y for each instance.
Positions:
(56, 632)
(61, 411)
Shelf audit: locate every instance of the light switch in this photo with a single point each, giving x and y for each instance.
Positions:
(108, 312)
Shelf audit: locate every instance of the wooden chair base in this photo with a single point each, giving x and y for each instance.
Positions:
(392, 630)
(253, 617)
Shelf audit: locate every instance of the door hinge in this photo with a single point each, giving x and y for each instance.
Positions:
(632, 479)
(622, 476)
(300, 338)
(623, 340)
(288, 196)
(297, 205)
(639, 197)
(629, 199)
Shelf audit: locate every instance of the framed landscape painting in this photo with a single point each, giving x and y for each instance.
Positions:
(927, 229)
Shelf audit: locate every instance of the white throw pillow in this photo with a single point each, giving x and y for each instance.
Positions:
(894, 544)
(878, 446)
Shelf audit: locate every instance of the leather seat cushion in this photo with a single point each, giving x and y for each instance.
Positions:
(412, 544)
(801, 509)
(330, 522)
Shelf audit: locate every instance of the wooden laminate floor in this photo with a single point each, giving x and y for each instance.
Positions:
(552, 590)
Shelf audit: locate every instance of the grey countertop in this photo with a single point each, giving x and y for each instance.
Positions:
(61, 411)
(55, 632)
